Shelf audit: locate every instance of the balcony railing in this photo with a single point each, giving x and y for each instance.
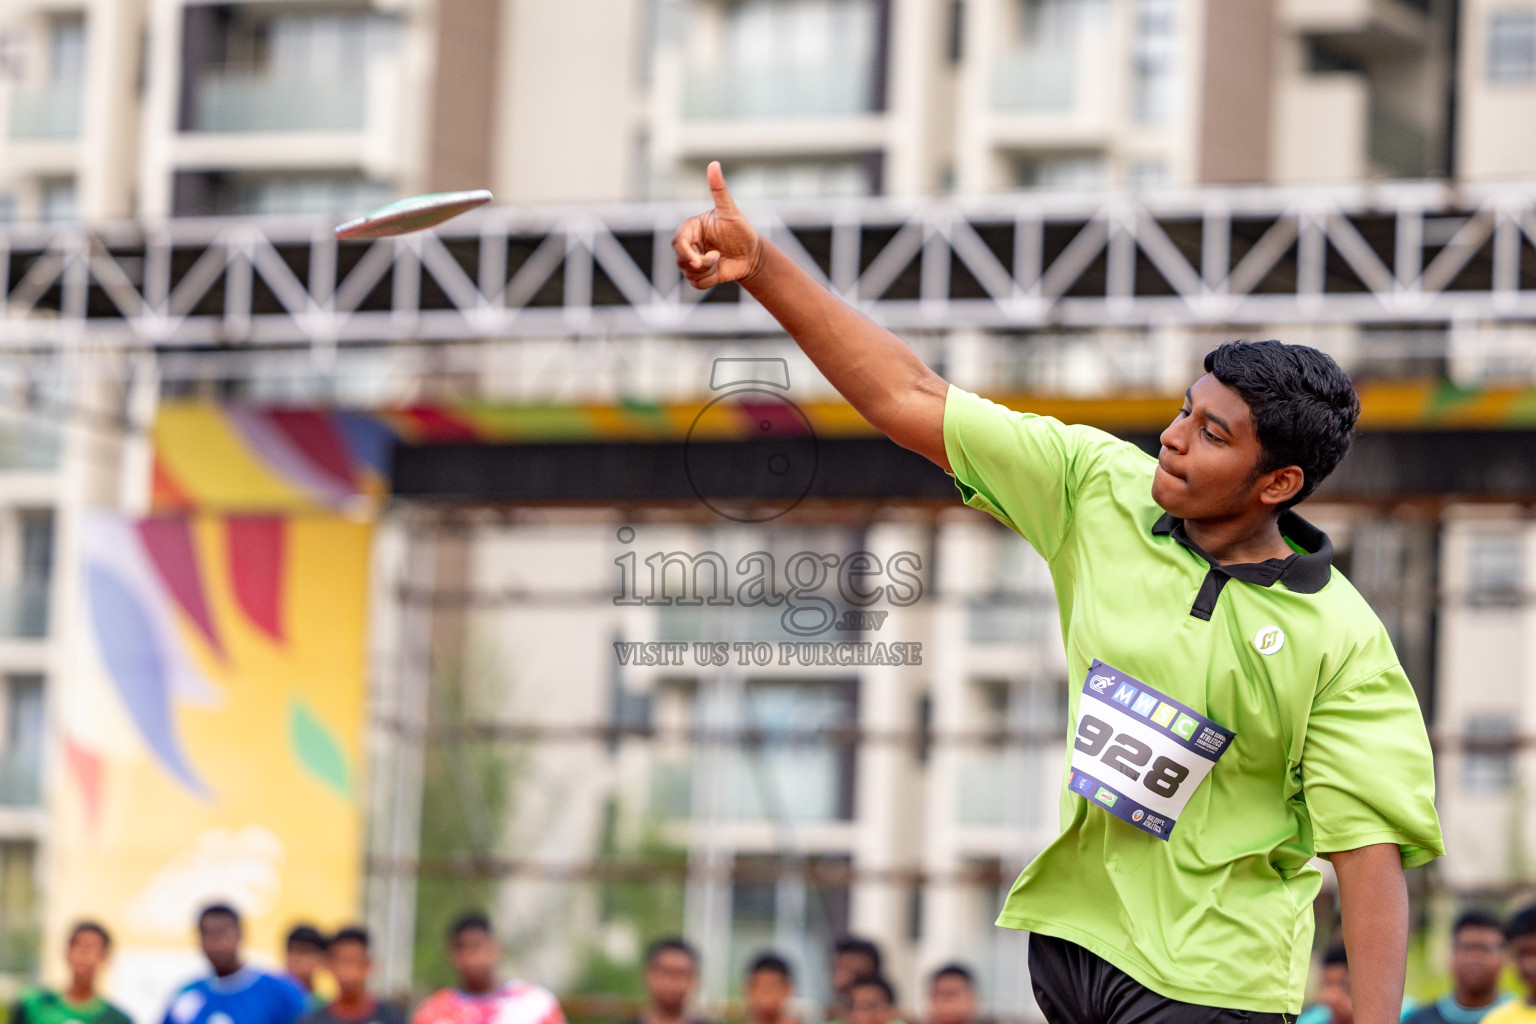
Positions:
(1037, 79)
(834, 90)
(24, 611)
(51, 112)
(233, 102)
(20, 778)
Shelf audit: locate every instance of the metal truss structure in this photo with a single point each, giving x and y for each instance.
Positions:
(1404, 254)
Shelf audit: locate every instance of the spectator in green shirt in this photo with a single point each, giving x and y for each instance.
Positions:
(89, 947)
(1203, 623)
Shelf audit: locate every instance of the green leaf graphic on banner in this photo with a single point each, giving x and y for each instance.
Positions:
(317, 749)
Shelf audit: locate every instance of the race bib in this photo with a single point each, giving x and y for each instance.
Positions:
(1138, 753)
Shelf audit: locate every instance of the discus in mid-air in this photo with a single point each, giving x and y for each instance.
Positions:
(414, 214)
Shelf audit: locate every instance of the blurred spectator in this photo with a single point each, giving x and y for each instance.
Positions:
(1521, 934)
(305, 957)
(852, 958)
(872, 1000)
(87, 951)
(236, 992)
(671, 973)
(952, 996)
(1334, 1004)
(769, 990)
(349, 962)
(1477, 960)
(474, 952)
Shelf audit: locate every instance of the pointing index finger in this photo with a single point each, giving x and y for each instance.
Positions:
(723, 201)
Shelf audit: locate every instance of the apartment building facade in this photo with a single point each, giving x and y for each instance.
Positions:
(176, 109)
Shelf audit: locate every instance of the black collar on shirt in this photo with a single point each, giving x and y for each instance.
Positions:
(1305, 572)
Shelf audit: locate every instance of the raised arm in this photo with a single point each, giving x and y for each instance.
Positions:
(874, 370)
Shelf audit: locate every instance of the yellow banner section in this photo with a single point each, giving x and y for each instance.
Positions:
(211, 738)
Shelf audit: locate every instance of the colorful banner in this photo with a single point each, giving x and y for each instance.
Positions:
(212, 728)
(241, 457)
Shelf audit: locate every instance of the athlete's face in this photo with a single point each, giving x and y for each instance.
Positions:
(951, 1000)
(220, 937)
(669, 978)
(867, 1005)
(349, 963)
(1477, 959)
(303, 962)
(1207, 468)
(767, 994)
(1524, 949)
(474, 955)
(1334, 994)
(85, 955)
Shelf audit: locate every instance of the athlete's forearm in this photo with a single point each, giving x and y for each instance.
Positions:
(874, 370)
(1373, 898)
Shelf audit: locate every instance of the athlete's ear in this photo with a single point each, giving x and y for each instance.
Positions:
(1281, 485)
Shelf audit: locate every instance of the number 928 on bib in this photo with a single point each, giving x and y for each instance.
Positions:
(1139, 754)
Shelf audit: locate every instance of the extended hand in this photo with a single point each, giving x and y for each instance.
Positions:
(720, 245)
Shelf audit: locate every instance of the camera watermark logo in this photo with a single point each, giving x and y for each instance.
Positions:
(762, 477)
(751, 456)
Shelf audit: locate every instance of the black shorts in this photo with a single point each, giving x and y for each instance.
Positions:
(1073, 986)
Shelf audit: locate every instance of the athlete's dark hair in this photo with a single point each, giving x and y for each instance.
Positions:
(94, 928)
(874, 981)
(671, 944)
(1304, 407)
(862, 947)
(954, 971)
(354, 933)
(1475, 918)
(773, 964)
(472, 921)
(305, 935)
(218, 910)
(1523, 923)
(1335, 956)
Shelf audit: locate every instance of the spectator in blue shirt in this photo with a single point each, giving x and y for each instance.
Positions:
(236, 993)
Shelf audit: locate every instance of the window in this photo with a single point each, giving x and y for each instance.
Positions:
(1064, 172)
(201, 194)
(1153, 56)
(21, 756)
(1495, 572)
(19, 924)
(786, 58)
(1147, 174)
(793, 774)
(808, 179)
(1002, 774)
(1489, 762)
(292, 71)
(56, 200)
(1512, 46)
(66, 50)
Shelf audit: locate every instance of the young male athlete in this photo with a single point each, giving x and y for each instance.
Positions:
(236, 992)
(769, 990)
(350, 962)
(1521, 933)
(1477, 962)
(86, 953)
(1236, 706)
(478, 999)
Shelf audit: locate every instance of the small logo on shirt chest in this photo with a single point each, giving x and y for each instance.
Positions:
(1268, 640)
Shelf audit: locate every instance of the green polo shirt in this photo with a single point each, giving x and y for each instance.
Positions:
(1329, 749)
